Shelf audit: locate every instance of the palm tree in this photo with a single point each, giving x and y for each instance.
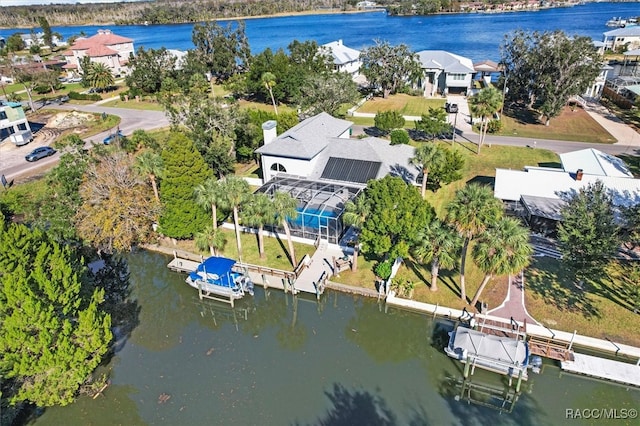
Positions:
(285, 207)
(355, 214)
(259, 212)
(427, 156)
(440, 244)
(484, 105)
(235, 192)
(210, 195)
(503, 249)
(150, 164)
(99, 76)
(471, 211)
(269, 80)
(211, 238)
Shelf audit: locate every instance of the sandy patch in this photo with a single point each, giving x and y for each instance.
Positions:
(67, 120)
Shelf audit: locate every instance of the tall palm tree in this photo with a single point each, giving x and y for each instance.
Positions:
(484, 105)
(211, 238)
(259, 212)
(150, 165)
(99, 76)
(355, 214)
(503, 249)
(236, 192)
(286, 208)
(210, 195)
(471, 211)
(439, 244)
(269, 80)
(427, 156)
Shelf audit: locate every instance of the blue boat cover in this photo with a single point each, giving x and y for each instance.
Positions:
(220, 266)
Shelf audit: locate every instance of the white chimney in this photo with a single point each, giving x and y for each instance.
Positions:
(269, 131)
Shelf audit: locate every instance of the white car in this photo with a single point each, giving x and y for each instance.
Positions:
(7, 80)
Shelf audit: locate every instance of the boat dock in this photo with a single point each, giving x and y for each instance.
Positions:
(311, 275)
(601, 368)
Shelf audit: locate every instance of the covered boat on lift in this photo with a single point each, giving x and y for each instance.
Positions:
(216, 277)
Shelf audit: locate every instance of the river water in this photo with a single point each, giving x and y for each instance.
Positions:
(477, 36)
(276, 360)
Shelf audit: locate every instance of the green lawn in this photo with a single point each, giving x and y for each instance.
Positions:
(573, 124)
(133, 104)
(405, 104)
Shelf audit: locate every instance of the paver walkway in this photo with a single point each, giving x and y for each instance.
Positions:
(513, 304)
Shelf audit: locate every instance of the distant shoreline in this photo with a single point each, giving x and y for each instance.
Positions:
(238, 18)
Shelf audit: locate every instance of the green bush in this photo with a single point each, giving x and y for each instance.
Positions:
(383, 269)
(494, 126)
(399, 136)
(388, 120)
(84, 97)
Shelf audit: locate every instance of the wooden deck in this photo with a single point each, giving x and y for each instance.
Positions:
(548, 349)
(606, 369)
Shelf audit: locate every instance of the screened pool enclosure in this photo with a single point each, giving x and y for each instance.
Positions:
(320, 206)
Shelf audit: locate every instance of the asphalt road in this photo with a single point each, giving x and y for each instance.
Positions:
(13, 164)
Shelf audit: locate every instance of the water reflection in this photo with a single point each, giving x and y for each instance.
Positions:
(276, 359)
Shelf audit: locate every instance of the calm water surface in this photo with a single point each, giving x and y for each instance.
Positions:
(275, 360)
(477, 36)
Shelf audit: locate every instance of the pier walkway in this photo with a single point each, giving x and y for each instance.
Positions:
(601, 368)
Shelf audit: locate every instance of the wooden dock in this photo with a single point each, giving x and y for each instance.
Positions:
(601, 368)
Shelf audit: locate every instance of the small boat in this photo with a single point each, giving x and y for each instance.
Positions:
(621, 22)
(503, 355)
(216, 277)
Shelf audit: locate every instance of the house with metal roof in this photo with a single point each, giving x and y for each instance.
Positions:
(540, 193)
(109, 49)
(627, 37)
(445, 73)
(345, 59)
(12, 119)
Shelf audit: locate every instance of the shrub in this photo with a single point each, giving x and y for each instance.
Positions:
(383, 269)
(494, 126)
(84, 97)
(399, 136)
(387, 120)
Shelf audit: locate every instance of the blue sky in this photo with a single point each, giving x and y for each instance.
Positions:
(30, 2)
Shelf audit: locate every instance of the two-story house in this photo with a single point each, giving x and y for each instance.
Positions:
(105, 47)
(345, 59)
(445, 73)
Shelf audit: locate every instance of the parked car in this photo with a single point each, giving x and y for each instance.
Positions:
(39, 153)
(112, 137)
(451, 108)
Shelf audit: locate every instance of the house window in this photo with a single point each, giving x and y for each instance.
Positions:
(3, 115)
(457, 77)
(22, 126)
(278, 168)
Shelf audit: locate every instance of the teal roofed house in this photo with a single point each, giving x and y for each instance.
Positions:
(12, 119)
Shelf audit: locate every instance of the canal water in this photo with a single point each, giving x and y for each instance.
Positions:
(279, 360)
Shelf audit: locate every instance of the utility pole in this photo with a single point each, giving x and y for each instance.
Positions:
(455, 122)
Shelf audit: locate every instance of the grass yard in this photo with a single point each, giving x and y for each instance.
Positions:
(145, 105)
(277, 254)
(405, 104)
(573, 124)
(596, 310)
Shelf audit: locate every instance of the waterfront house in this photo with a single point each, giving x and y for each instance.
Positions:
(538, 194)
(320, 148)
(105, 47)
(318, 164)
(627, 38)
(345, 59)
(445, 73)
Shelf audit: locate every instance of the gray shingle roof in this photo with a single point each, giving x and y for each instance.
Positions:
(306, 139)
